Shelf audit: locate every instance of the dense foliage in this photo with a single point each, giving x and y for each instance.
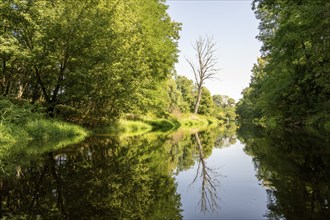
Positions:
(221, 107)
(90, 58)
(291, 82)
(90, 62)
(20, 121)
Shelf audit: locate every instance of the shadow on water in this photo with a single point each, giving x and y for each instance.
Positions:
(106, 177)
(294, 166)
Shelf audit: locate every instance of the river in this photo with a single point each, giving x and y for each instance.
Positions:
(188, 174)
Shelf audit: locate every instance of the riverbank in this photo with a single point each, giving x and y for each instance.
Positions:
(41, 129)
(141, 125)
(318, 121)
(23, 122)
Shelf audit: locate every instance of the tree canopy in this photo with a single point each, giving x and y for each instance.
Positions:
(92, 62)
(92, 58)
(291, 82)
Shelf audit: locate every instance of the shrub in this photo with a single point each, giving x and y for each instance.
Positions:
(22, 121)
(46, 129)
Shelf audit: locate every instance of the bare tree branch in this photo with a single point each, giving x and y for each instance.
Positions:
(207, 62)
(194, 70)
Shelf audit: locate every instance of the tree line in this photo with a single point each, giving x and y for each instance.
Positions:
(93, 61)
(290, 83)
(220, 106)
(93, 58)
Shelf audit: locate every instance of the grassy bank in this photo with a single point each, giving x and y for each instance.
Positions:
(197, 121)
(142, 125)
(21, 122)
(41, 129)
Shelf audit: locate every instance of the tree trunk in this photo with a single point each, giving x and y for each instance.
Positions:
(199, 97)
(21, 88)
(40, 83)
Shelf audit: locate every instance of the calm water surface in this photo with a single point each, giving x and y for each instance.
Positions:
(237, 194)
(213, 174)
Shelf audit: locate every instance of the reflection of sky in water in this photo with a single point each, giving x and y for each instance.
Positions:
(241, 195)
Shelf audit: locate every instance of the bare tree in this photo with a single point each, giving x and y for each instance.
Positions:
(207, 64)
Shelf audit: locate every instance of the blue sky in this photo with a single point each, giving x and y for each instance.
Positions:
(233, 26)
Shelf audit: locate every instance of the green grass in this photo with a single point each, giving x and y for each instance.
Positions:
(26, 133)
(164, 125)
(197, 121)
(133, 127)
(144, 125)
(6, 135)
(12, 133)
(40, 129)
(51, 129)
(22, 122)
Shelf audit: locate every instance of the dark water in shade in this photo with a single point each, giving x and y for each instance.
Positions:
(213, 174)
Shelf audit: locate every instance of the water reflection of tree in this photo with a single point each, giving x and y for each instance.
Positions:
(104, 178)
(187, 155)
(209, 178)
(294, 166)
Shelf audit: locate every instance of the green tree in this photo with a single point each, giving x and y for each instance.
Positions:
(186, 87)
(294, 85)
(249, 107)
(176, 99)
(231, 102)
(93, 58)
(206, 106)
(218, 100)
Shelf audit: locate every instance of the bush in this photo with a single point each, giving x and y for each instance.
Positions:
(17, 113)
(12, 133)
(22, 121)
(5, 135)
(45, 129)
(327, 126)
